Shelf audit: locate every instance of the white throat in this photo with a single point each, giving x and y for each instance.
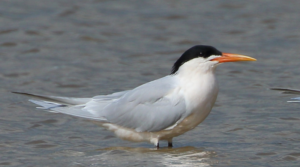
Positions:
(196, 67)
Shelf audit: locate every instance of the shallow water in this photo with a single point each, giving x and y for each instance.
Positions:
(85, 48)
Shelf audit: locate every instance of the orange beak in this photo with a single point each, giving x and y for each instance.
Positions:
(230, 57)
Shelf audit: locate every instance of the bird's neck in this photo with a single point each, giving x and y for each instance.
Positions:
(196, 82)
(199, 86)
(193, 70)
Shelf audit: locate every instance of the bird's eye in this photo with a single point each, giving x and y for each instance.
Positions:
(200, 53)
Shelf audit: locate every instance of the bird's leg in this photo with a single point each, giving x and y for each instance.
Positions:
(157, 145)
(170, 144)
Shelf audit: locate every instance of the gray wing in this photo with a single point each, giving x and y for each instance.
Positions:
(287, 91)
(151, 107)
(58, 99)
(154, 106)
(290, 91)
(110, 96)
(74, 106)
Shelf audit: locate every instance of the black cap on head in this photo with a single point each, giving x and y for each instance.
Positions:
(195, 52)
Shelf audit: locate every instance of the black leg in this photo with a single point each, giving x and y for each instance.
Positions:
(170, 144)
(157, 146)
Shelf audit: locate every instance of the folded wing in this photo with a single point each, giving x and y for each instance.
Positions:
(151, 107)
(154, 106)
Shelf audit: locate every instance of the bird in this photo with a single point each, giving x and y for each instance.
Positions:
(158, 110)
(290, 91)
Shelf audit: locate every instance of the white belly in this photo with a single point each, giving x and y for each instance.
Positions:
(185, 125)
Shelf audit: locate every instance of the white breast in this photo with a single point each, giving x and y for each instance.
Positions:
(200, 95)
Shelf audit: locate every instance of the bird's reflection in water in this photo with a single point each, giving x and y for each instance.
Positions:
(127, 156)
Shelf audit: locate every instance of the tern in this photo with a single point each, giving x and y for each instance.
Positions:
(290, 91)
(158, 110)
